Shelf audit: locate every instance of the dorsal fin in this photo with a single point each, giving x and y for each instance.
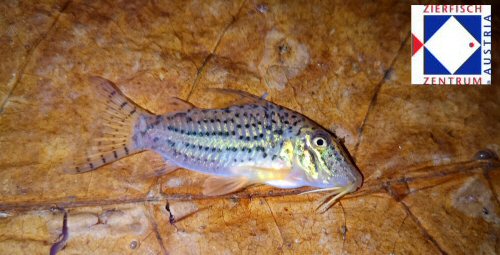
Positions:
(176, 104)
(233, 97)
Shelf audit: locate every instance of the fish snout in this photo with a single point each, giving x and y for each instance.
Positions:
(356, 178)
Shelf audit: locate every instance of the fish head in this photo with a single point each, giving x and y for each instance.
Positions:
(320, 160)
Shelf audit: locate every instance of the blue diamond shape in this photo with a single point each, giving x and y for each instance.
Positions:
(472, 23)
(432, 23)
(472, 65)
(432, 65)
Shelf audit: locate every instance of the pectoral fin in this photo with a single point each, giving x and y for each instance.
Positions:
(216, 186)
(245, 175)
(262, 174)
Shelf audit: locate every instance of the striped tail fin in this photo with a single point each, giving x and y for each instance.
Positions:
(115, 139)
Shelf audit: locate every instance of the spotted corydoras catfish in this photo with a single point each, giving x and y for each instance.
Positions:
(252, 142)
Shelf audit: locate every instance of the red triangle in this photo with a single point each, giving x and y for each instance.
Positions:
(416, 44)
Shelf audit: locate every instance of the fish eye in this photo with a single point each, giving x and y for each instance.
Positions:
(319, 141)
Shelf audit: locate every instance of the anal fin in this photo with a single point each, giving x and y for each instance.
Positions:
(161, 166)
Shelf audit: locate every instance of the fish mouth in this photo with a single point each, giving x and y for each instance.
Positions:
(333, 197)
(358, 179)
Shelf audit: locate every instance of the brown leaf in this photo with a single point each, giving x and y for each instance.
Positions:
(429, 155)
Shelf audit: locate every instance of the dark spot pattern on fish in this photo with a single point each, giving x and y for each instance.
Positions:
(217, 138)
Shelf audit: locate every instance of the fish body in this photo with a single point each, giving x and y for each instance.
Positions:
(240, 145)
(220, 140)
(235, 141)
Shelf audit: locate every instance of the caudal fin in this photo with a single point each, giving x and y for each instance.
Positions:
(114, 139)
